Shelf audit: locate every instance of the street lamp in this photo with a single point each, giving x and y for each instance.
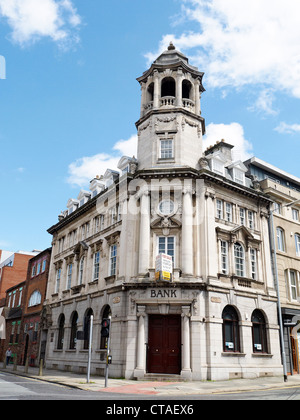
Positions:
(275, 273)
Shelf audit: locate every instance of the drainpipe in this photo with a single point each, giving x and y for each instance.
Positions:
(275, 274)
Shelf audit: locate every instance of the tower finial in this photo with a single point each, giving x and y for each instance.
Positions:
(171, 46)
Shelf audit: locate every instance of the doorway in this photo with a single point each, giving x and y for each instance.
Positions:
(164, 344)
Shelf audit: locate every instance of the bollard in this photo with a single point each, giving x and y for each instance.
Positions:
(41, 368)
(26, 365)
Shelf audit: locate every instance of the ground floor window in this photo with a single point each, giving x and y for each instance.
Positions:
(231, 337)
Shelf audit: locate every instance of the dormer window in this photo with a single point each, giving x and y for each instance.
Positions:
(218, 166)
(238, 176)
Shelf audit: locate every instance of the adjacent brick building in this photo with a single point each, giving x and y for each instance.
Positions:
(22, 309)
(13, 270)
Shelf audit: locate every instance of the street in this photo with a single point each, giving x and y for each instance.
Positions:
(13, 387)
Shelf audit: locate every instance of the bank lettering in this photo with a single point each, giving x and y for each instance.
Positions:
(163, 293)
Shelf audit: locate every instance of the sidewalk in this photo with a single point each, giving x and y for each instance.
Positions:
(132, 387)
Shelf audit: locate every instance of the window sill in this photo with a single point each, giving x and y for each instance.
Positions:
(266, 355)
(110, 279)
(232, 353)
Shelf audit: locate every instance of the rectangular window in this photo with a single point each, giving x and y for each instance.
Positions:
(218, 166)
(228, 210)
(253, 264)
(277, 208)
(166, 149)
(38, 268)
(33, 271)
(251, 219)
(69, 276)
(58, 274)
(113, 260)
(166, 245)
(295, 214)
(219, 209)
(297, 242)
(280, 239)
(18, 332)
(44, 266)
(20, 296)
(293, 285)
(224, 257)
(14, 299)
(242, 216)
(96, 265)
(239, 176)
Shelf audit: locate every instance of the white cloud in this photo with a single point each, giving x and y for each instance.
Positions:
(31, 20)
(83, 170)
(233, 134)
(285, 128)
(240, 43)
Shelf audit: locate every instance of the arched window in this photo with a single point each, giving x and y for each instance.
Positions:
(73, 339)
(35, 299)
(150, 92)
(259, 334)
(280, 239)
(186, 89)
(168, 87)
(106, 314)
(239, 257)
(87, 323)
(61, 332)
(231, 337)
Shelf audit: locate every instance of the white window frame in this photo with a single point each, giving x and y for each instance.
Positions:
(251, 223)
(295, 215)
(242, 216)
(81, 270)
(297, 244)
(293, 288)
(69, 275)
(228, 212)
(113, 260)
(219, 209)
(253, 262)
(238, 176)
(165, 250)
(57, 282)
(280, 239)
(239, 259)
(96, 268)
(224, 257)
(168, 151)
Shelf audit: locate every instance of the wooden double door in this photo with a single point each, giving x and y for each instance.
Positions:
(164, 344)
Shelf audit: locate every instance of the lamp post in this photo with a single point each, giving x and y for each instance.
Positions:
(275, 273)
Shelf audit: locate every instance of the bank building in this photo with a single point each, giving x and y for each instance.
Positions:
(213, 315)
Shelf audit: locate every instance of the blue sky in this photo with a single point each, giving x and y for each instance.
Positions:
(70, 99)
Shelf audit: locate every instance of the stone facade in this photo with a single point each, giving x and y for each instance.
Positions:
(217, 317)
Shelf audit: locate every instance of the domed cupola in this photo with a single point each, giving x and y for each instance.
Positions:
(170, 119)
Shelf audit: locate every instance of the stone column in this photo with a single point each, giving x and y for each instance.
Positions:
(156, 90)
(179, 87)
(187, 232)
(186, 345)
(197, 97)
(144, 245)
(141, 360)
(143, 99)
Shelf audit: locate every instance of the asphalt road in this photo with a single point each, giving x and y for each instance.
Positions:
(13, 387)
